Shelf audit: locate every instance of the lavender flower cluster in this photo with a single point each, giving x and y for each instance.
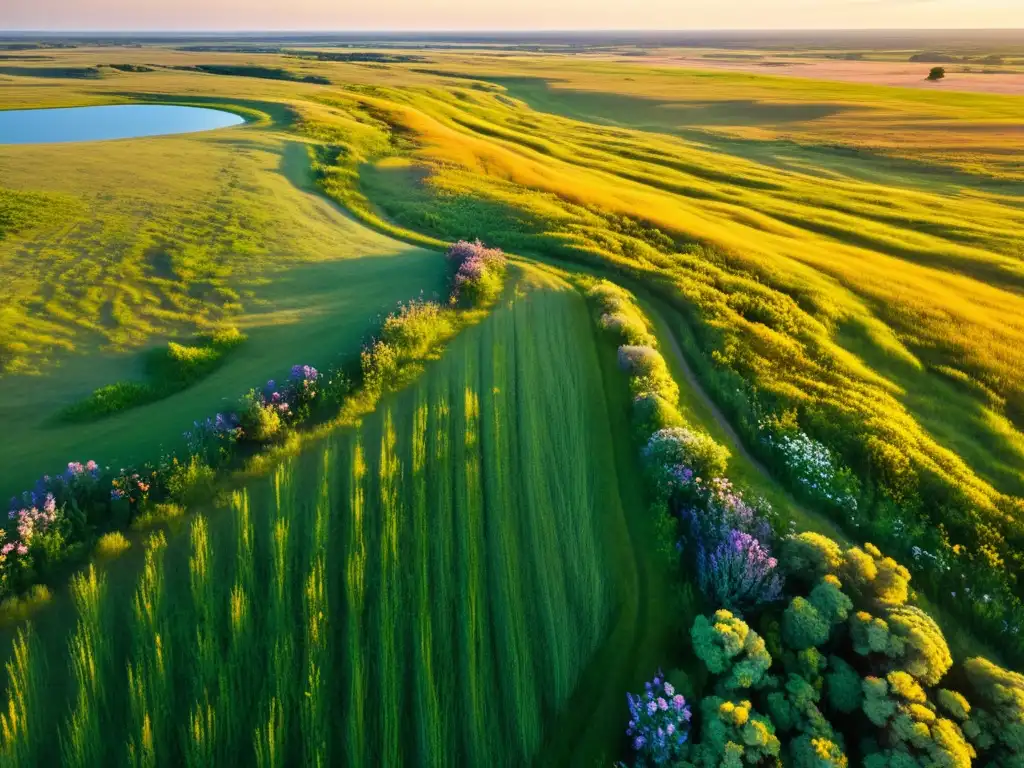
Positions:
(34, 513)
(214, 434)
(731, 540)
(659, 724)
(299, 391)
(477, 270)
(739, 572)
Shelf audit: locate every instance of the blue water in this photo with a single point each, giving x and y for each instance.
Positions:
(122, 121)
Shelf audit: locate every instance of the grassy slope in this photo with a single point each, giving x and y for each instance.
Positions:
(191, 231)
(493, 495)
(873, 252)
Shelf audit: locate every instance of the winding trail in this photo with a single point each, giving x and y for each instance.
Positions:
(805, 518)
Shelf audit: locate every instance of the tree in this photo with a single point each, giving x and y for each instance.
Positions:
(937, 73)
(871, 576)
(913, 734)
(732, 734)
(996, 725)
(719, 643)
(925, 652)
(809, 556)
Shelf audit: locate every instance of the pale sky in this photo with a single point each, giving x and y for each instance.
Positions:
(403, 15)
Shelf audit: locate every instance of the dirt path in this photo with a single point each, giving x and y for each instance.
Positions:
(806, 519)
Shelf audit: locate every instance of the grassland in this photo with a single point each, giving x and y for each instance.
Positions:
(426, 588)
(137, 243)
(842, 254)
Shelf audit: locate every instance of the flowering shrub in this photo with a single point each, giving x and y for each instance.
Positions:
(812, 466)
(659, 723)
(738, 573)
(479, 272)
(649, 374)
(31, 521)
(303, 388)
(619, 313)
(133, 486)
(260, 420)
(214, 438)
(680, 459)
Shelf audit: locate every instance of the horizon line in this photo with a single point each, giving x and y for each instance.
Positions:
(493, 31)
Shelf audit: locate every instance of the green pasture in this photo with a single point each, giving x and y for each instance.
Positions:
(428, 588)
(168, 238)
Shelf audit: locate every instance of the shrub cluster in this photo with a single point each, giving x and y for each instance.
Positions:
(479, 273)
(727, 538)
(815, 656)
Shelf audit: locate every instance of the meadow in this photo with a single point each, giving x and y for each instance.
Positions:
(427, 587)
(825, 310)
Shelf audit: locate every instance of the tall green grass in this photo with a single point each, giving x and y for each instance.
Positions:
(426, 589)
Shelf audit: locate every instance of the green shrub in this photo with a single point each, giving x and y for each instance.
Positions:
(842, 686)
(925, 654)
(803, 626)
(726, 644)
(648, 371)
(190, 480)
(996, 725)
(870, 576)
(113, 398)
(417, 329)
(808, 556)
(652, 412)
(168, 370)
(260, 422)
(732, 734)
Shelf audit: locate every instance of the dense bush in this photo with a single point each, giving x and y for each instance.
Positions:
(848, 672)
(844, 686)
(168, 369)
(659, 723)
(479, 273)
(683, 462)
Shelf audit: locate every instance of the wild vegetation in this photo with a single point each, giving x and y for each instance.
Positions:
(836, 265)
(54, 524)
(168, 370)
(519, 540)
(845, 667)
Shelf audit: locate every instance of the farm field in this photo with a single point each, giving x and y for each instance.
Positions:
(575, 343)
(428, 587)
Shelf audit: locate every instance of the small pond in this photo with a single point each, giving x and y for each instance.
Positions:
(121, 121)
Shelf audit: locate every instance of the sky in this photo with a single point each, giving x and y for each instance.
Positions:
(464, 15)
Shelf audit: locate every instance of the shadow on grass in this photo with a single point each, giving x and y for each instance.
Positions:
(660, 114)
(695, 121)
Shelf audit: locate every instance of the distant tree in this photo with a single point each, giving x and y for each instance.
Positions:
(937, 73)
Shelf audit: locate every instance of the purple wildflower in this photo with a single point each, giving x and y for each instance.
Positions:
(739, 572)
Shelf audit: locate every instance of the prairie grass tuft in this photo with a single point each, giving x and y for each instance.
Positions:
(112, 544)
